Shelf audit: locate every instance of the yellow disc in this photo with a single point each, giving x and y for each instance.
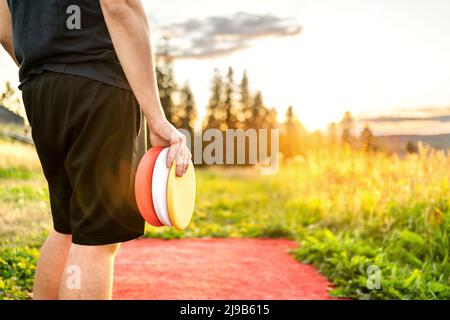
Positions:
(181, 197)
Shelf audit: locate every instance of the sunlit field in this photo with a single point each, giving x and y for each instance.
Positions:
(347, 209)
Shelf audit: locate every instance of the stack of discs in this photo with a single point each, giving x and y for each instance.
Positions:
(163, 198)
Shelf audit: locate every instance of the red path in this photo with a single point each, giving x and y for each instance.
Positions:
(214, 269)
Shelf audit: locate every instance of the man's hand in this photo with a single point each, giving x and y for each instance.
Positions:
(164, 134)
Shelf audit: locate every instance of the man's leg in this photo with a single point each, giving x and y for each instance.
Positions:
(50, 266)
(89, 272)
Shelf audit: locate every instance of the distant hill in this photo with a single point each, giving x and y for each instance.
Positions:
(398, 142)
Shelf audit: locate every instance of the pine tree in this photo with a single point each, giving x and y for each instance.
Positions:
(258, 111)
(271, 119)
(294, 136)
(229, 108)
(347, 128)
(245, 101)
(214, 109)
(189, 108)
(291, 119)
(367, 139)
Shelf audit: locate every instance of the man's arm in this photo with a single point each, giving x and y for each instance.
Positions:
(6, 30)
(128, 26)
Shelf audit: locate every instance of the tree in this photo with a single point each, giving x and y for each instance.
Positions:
(260, 115)
(9, 99)
(245, 101)
(294, 136)
(257, 111)
(367, 139)
(189, 114)
(291, 118)
(214, 109)
(347, 128)
(411, 147)
(271, 118)
(229, 108)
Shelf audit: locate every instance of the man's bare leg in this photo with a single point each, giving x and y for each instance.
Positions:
(89, 272)
(50, 266)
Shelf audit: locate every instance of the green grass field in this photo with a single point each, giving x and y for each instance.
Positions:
(348, 210)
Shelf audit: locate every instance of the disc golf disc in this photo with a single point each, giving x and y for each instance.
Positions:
(181, 197)
(143, 186)
(159, 187)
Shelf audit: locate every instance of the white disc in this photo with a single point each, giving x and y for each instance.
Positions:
(159, 187)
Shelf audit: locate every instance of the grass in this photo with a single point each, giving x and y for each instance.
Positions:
(350, 212)
(24, 218)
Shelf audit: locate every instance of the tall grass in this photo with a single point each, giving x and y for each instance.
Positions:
(373, 210)
(370, 193)
(17, 160)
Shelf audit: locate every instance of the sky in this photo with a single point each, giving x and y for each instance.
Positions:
(386, 61)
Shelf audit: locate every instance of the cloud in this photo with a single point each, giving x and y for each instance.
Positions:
(441, 118)
(429, 110)
(221, 35)
(410, 115)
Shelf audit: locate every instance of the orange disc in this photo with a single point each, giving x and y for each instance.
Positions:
(143, 186)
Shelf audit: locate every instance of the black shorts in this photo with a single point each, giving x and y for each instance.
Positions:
(90, 138)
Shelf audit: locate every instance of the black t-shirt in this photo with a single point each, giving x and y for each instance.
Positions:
(66, 36)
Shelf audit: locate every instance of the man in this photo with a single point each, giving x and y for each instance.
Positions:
(86, 72)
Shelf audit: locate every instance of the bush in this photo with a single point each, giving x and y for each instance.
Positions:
(17, 266)
(407, 269)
